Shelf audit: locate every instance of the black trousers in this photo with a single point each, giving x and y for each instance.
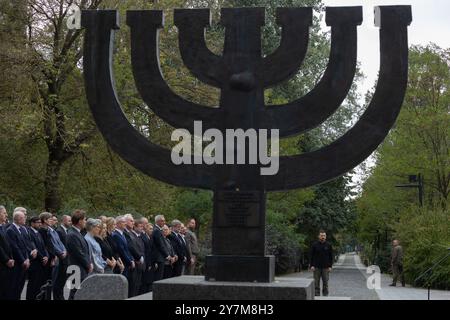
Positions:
(147, 280)
(36, 279)
(17, 283)
(60, 279)
(168, 271)
(177, 268)
(158, 273)
(5, 281)
(135, 280)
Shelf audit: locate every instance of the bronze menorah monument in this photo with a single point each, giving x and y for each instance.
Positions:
(242, 74)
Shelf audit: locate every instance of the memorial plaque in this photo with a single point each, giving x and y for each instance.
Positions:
(238, 209)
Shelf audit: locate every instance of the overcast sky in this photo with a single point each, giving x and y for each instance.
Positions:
(431, 23)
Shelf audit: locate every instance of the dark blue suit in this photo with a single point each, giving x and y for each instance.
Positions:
(20, 254)
(123, 250)
(37, 271)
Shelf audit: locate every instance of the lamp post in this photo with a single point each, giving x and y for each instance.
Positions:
(415, 181)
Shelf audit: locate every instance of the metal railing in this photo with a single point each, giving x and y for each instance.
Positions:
(428, 272)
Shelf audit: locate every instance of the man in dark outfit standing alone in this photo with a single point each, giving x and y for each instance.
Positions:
(321, 262)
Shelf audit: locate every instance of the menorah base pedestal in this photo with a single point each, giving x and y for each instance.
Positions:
(240, 268)
(197, 288)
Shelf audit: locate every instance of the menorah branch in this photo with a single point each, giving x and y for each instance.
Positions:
(322, 101)
(284, 63)
(205, 65)
(359, 142)
(176, 111)
(126, 141)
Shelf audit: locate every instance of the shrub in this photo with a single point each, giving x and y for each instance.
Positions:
(425, 238)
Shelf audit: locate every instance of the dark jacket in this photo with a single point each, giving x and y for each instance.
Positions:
(62, 235)
(122, 248)
(135, 245)
(178, 245)
(107, 252)
(39, 244)
(397, 256)
(160, 251)
(78, 250)
(5, 248)
(26, 232)
(321, 255)
(169, 247)
(17, 242)
(148, 244)
(188, 250)
(109, 239)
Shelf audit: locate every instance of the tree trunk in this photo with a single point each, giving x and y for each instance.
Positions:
(52, 196)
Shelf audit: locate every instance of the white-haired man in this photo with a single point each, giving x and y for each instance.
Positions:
(16, 239)
(122, 246)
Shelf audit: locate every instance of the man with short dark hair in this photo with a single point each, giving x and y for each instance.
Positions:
(78, 248)
(191, 238)
(61, 277)
(321, 261)
(57, 255)
(36, 273)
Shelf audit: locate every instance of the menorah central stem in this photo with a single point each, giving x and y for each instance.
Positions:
(239, 243)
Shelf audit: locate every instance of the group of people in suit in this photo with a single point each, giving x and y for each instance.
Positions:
(42, 252)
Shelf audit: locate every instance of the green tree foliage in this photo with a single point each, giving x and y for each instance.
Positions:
(419, 143)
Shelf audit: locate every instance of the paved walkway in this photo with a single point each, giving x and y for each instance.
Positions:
(346, 281)
(349, 280)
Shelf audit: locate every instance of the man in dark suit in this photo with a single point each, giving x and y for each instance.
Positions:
(137, 249)
(6, 262)
(179, 246)
(188, 263)
(63, 228)
(78, 248)
(36, 273)
(160, 254)
(61, 276)
(16, 240)
(58, 258)
(123, 249)
(148, 242)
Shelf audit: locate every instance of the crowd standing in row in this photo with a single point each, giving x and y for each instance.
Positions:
(41, 251)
